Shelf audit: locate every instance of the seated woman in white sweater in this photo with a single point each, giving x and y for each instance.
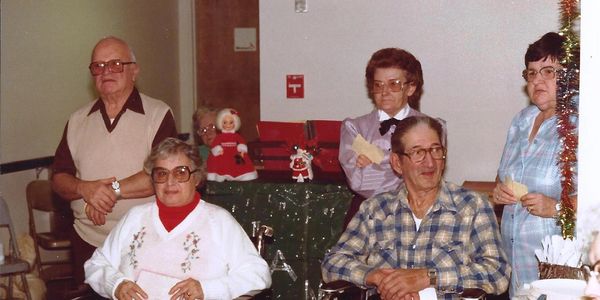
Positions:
(196, 250)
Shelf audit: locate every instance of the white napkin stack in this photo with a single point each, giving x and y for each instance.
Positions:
(558, 251)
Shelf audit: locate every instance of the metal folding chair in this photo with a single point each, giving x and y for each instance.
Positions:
(13, 265)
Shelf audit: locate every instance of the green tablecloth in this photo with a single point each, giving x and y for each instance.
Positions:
(307, 220)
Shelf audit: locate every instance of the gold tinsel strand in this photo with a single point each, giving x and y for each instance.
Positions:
(567, 114)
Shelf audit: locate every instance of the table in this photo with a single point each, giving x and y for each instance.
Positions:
(307, 220)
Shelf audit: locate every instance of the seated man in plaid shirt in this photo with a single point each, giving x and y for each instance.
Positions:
(426, 233)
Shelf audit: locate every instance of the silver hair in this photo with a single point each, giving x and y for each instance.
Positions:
(171, 147)
(110, 37)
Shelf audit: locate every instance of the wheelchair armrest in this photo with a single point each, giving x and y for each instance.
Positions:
(341, 287)
(472, 293)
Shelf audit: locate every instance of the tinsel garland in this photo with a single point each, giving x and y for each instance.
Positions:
(567, 116)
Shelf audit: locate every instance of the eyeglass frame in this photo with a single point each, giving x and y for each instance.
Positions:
(110, 64)
(170, 172)
(388, 85)
(551, 75)
(429, 150)
(204, 130)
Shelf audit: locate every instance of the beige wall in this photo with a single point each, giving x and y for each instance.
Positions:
(46, 47)
(471, 52)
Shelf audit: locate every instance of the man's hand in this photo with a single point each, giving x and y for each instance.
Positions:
(187, 289)
(396, 284)
(96, 216)
(128, 290)
(98, 194)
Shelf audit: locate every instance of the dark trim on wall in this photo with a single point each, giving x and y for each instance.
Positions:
(28, 164)
(44, 162)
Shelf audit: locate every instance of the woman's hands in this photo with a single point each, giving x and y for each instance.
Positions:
(539, 205)
(128, 290)
(503, 194)
(536, 204)
(362, 161)
(187, 289)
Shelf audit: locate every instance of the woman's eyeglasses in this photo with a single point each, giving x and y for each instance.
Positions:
(181, 174)
(205, 130)
(547, 73)
(395, 85)
(114, 66)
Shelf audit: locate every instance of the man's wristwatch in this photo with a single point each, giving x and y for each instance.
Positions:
(432, 274)
(116, 186)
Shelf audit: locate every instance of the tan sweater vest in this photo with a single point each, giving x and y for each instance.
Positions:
(99, 154)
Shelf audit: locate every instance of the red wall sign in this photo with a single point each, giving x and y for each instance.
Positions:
(294, 85)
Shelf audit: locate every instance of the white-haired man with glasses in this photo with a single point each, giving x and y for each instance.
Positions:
(98, 165)
(425, 233)
(179, 246)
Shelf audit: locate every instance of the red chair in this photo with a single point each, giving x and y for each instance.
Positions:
(275, 141)
(327, 135)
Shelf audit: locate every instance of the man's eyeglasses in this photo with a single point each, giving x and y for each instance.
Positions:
(547, 73)
(181, 174)
(205, 130)
(114, 66)
(395, 85)
(418, 155)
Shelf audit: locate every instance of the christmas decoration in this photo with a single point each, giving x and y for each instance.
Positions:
(301, 165)
(567, 115)
(228, 158)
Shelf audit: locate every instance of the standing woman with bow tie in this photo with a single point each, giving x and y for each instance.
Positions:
(393, 77)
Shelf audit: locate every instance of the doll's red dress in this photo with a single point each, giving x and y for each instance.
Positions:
(234, 163)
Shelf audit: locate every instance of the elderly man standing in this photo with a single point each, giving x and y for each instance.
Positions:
(425, 233)
(98, 165)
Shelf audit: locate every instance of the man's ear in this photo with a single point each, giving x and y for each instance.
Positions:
(395, 162)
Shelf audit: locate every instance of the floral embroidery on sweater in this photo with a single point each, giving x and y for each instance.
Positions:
(136, 243)
(190, 245)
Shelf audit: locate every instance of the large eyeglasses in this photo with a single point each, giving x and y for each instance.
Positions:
(547, 73)
(395, 85)
(205, 130)
(181, 174)
(114, 66)
(418, 155)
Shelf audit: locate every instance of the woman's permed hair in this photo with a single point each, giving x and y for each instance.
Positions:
(400, 59)
(171, 147)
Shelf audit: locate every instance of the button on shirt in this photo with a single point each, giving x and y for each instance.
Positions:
(458, 237)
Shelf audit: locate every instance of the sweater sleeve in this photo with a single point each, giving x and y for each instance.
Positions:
(102, 269)
(247, 270)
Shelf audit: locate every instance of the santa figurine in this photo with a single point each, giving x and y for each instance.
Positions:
(301, 165)
(228, 158)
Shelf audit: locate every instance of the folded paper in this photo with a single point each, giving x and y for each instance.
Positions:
(518, 189)
(361, 146)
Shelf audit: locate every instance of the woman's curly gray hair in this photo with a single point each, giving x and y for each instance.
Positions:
(171, 147)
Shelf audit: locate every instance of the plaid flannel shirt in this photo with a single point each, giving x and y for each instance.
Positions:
(458, 237)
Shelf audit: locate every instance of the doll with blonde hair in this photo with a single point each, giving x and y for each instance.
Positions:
(228, 158)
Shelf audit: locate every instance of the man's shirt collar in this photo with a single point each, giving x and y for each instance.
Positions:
(133, 103)
(444, 198)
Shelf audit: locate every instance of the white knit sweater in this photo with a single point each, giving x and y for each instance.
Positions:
(208, 245)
